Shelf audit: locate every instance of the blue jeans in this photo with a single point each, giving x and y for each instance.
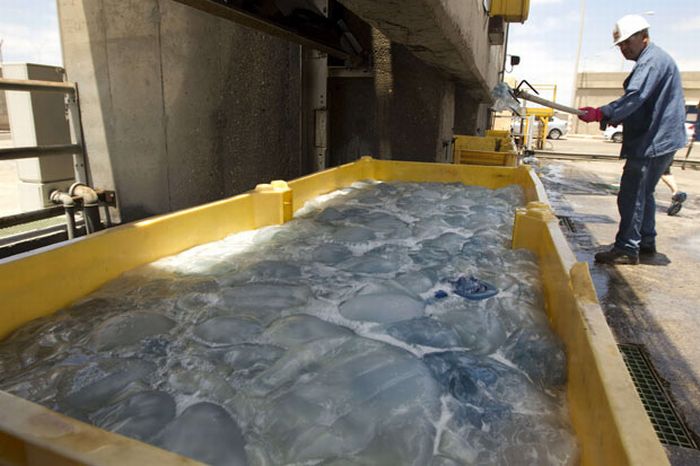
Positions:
(636, 203)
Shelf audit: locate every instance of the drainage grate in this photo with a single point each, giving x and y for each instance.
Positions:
(667, 424)
(567, 223)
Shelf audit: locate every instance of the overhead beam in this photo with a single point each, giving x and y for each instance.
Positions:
(246, 18)
(449, 35)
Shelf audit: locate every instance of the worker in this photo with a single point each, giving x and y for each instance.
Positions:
(653, 112)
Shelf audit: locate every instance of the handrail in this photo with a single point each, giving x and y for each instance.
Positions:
(15, 153)
(26, 217)
(77, 148)
(32, 85)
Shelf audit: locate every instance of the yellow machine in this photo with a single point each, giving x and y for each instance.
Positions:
(541, 115)
(515, 100)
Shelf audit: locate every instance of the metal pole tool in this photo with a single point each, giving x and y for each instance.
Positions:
(523, 94)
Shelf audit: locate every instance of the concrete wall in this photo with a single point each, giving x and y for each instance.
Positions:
(406, 111)
(420, 115)
(353, 119)
(4, 119)
(470, 115)
(597, 89)
(180, 107)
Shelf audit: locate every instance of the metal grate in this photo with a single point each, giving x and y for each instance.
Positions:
(667, 424)
(567, 223)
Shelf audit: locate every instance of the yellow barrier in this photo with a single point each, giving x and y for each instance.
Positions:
(605, 410)
(498, 133)
(492, 150)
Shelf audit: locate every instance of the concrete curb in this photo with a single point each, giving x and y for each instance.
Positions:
(586, 136)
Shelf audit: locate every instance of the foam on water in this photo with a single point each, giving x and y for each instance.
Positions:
(335, 339)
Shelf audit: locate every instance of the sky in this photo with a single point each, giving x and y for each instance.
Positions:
(546, 42)
(29, 31)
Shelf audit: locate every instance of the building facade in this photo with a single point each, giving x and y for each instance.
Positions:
(597, 89)
(183, 105)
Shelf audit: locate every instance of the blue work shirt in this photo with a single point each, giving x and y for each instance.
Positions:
(652, 109)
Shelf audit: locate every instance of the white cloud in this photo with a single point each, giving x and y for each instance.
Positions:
(544, 2)
(690, 24)
(25, 44)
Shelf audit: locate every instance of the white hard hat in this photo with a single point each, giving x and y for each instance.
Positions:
(628, 25)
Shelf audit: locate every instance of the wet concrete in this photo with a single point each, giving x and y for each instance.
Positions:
(655, 304)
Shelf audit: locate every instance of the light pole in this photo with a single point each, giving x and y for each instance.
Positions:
(582, 14)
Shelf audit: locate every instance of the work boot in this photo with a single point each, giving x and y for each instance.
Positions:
(676, 203)
(617, 256)
(647, 250)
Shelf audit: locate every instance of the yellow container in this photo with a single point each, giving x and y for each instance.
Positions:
(606, 413)
(498, 133)
(490, 150)
(513, 11)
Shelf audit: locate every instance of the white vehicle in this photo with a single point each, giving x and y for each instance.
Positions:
(614, 133)
(556, 127)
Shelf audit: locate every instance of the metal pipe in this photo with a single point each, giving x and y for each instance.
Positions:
(520, 94)
(70, 222)
(108, 218)
(15, 153)
(91, 207)
(68, 203)
(36, 86)
(76, 130)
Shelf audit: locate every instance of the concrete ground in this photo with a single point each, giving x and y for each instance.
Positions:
(654, 304)
(585, 144)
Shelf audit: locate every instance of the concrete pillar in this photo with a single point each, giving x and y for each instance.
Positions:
(405, 111)
(384, 90)
(315, 118)
(354, 130)
(180, 107)
(39, 119)
(421, 115)
(446, 120)
(315, 109)
(466, 111)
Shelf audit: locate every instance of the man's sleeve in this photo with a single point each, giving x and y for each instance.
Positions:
(641, 85)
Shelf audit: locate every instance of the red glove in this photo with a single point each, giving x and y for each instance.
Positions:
(592, 114)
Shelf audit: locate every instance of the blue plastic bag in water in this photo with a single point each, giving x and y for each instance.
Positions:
(473, 288)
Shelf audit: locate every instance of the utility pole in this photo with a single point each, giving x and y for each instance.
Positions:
(582, 14)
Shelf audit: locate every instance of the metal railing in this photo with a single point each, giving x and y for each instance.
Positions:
(76, 148)
(24, 241)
